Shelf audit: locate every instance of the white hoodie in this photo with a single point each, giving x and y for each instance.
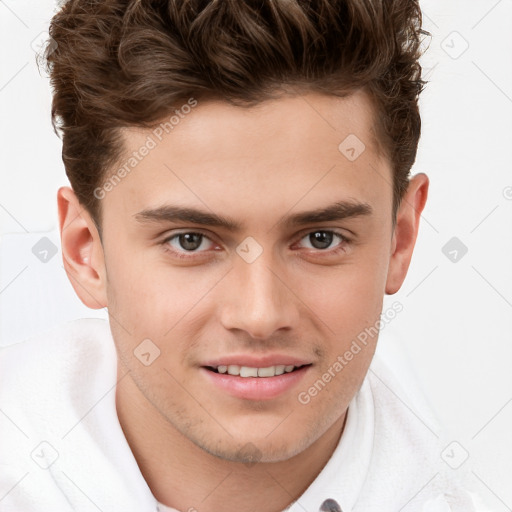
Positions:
(62, 448)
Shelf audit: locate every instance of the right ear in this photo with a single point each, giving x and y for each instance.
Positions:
(82, 251)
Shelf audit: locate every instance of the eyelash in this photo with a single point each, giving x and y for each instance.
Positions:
(341, 247)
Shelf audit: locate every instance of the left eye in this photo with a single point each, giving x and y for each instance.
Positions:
(322, 239)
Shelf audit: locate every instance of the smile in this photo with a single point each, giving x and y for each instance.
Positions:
(250, 383)
(248, 371)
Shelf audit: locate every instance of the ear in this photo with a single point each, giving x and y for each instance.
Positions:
(82, 252)
(406, 231)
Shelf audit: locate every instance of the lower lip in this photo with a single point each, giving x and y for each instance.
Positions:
(256, 388)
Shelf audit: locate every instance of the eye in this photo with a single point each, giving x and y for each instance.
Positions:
(187, 242)
(322, 239)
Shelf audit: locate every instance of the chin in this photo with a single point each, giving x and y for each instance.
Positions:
(273, 448)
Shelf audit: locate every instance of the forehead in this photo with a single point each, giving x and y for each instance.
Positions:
(287, 121)
(311, 149)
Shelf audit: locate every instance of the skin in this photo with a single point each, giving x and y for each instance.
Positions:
(256, 166)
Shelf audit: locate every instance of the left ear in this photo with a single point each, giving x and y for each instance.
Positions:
(406, 231)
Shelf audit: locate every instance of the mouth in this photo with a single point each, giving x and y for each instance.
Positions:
(255, 383)
(248, 371)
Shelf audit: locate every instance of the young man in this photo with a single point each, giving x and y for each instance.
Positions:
(241, 203)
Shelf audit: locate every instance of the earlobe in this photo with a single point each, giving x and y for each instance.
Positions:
(406, 231)
(82, 251)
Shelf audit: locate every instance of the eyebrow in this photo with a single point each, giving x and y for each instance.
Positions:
(171, 213)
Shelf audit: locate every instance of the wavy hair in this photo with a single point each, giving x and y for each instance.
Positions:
(120, 63)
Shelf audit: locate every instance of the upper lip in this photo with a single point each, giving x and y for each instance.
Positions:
(257, 362)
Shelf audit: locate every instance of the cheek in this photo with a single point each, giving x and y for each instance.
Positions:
(349, 297)
(151, 298)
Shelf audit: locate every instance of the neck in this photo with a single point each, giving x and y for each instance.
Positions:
(185, 477)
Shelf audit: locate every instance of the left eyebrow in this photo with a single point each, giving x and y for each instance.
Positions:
(171, 213)
(338, 211)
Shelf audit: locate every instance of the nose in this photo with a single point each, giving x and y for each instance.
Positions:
(258, 299)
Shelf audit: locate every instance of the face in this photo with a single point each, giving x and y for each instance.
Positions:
(247, 237)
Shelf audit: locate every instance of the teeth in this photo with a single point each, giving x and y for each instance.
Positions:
(234, 369)
(247, 371)
(279, 369)
(266, 372)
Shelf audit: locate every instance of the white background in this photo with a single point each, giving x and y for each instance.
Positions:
(457, 320)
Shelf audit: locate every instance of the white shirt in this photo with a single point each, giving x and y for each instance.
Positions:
(62, 447)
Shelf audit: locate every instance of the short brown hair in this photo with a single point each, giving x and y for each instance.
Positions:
(119, 63)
